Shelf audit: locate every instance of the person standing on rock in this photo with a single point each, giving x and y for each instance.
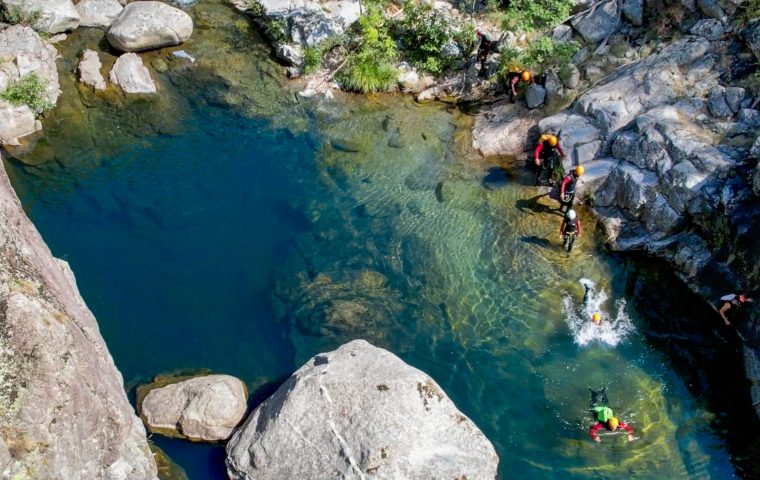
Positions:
(604, 416)
(545, 157)
(567, 188)
(733, 300)
(570, 230)
(514, 78)
(485, 47)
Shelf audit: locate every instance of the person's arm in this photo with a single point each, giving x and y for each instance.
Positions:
(513, 82)
(561, 152)
(726, 306)
(562, 228)
(628, 429)
(592, 431)
(565, 181)
(578, 224)
(537, 153)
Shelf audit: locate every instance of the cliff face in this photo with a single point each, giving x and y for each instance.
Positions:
(63, 409)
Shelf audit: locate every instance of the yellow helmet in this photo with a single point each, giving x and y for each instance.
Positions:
(552, 140)
(613, 423)
(579, 170)
(596, 318)
(525, 75)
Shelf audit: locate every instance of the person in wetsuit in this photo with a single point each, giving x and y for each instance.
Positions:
(485, 47)
(545, 157)
(604, 416)
(513, 78)
(567, 188)
(731, 301)
(570, 229)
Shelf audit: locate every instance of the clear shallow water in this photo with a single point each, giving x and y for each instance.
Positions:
(232, 243)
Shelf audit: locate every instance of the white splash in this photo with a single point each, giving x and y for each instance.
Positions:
(578, 318)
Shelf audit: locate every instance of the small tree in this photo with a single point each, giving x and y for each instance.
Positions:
(30, 91)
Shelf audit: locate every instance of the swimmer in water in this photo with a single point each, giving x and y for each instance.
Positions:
(596, 317)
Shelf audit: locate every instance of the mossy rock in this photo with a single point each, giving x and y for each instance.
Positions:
(167, 469)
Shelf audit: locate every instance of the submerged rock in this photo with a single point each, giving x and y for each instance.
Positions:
(98, 13)
(203, 408)
(131, 75)
(359, 411)
(147, 25)
(64, 410)
(89, 70)
(53, 16)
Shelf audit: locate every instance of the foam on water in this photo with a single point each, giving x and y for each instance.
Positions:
(612, 331)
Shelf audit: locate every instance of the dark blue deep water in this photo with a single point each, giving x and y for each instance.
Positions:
(223, 239)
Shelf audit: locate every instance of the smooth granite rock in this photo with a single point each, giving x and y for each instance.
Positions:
(204, 409)
(89, 70)
(147, 25)
(131, 75)
(359, 412)
(64, 410)
(55, 16)
(98, 13)
(598, 23)
(16, 121)
(22, 52)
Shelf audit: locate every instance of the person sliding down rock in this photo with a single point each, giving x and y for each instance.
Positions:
(731, 301)
(485, 47)
(545, 157)
(604, 416)
(567, 188)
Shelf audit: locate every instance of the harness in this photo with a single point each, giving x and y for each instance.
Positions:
(571, 228)
(570, 189)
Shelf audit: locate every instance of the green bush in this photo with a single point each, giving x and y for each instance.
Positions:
(424, 31)
(312, 59)
(539, 56)
(748, 10)
(18, 16)
(30, 91)
(529, 15)
(371, 66)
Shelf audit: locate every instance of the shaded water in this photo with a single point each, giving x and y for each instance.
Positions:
(245, 232)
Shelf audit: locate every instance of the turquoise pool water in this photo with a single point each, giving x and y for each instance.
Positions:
(245, 234)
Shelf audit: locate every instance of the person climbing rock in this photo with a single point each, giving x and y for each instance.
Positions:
(604, 416)
(485, 47)
(567, 188)
(514, 78)
(732, 300)
(570, 230)
(545, 156)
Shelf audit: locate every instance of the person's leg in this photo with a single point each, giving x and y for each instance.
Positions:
(539, 173)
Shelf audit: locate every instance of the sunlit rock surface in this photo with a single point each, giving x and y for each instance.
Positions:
(203, 408)
(355, 412)
(62, 402)
(148, 25)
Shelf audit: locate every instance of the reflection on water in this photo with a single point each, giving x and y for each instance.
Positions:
(233, 244)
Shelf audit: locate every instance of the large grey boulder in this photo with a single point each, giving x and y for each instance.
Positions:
(89, 70)
(54, 16)
(16, 121)
(535, 96)
(203, 408)
(64, 410)
(711, 9)
(681, 69)
(308, 22)
(359, 412)
(22, 52)
(502, 129)
(291, 55)
(148, 25)
(98, 13)
(598, 23)
(710, 28)
(131, 75)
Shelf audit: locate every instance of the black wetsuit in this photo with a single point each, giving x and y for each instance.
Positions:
(485, 48)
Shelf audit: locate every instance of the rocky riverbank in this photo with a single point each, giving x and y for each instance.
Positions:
(669, 140)
(63, 406)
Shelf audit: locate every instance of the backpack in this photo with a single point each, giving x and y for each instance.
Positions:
(603, 413)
